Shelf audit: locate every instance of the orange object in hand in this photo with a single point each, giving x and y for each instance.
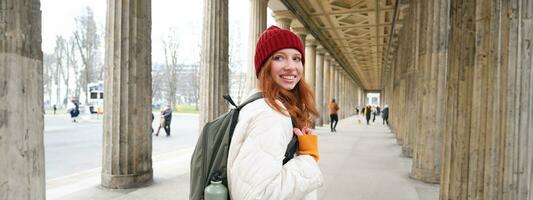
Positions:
(308, 145)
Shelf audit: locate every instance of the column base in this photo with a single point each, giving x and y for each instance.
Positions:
(399, 141)
(407, 151)
(127, 181)
(425, 175)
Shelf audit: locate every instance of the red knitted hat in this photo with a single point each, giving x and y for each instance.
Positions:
(272, 40)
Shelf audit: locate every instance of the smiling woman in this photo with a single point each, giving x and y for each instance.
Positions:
(265, 127)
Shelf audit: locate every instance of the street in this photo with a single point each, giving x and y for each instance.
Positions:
(74, 147)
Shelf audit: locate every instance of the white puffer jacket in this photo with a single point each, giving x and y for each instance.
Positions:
(257, 149)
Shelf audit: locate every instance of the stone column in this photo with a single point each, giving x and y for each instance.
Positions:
(332, 80)
(341, 93)
(319, 84)
(345, 95)
(427, 148)
(21, 96)
(518, 167)
(258, 20)
(459, 180)
(310, 63)
(310, 66)
(326, 89)
(214, 62)
(354, 96)
(342, 96)
(410, 74)
(349, 97)
(397, 106)
(283, 19)
(362, 97)
(340, 99)
(127, 154)
(357, 89)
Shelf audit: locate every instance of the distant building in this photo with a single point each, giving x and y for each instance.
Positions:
(187, 91)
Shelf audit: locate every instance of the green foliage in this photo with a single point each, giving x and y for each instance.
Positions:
(186, 109)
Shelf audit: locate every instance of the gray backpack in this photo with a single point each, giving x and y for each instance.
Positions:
(210, 155)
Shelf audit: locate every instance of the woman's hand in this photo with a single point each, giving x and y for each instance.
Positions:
(303, 131)
(308, 143)
(308, 131)
(298, 132)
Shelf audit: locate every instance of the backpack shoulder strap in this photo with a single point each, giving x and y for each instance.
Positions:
(254, 97)
(238, 108)
(229, 100)
(292, 147)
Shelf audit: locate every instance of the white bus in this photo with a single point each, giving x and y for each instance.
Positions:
(96, 97)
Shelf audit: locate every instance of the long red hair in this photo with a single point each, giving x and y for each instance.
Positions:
(299, 102)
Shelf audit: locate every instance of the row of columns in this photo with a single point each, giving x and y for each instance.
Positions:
(461, 71)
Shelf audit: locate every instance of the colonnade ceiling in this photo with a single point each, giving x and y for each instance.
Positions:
(358, 30)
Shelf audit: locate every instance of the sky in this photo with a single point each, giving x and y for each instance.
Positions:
(184, 16)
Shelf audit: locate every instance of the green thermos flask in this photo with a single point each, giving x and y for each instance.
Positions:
(216, 190)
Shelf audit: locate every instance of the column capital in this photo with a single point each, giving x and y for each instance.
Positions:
(310, 41)
(299, 30)
(328, 57)
(335, 64)
(282, 14)
(320, 50)
(283, 18)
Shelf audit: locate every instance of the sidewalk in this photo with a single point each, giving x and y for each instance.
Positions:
(358, 162)
(363, 162)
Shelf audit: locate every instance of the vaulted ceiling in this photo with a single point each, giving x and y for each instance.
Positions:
(356, 32)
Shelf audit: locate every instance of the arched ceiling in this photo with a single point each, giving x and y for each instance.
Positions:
(357, 32)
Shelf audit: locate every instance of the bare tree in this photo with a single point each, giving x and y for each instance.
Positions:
(72, 66)
(60, 59)
(171, 46)
(196, 85)
(87, 41)
(157, 85)
(235, 61)
(71, 62)
(48, 62)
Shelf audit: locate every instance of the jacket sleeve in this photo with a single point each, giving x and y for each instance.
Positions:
(258, 172)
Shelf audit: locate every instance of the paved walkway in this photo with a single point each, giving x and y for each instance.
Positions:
(361, 162)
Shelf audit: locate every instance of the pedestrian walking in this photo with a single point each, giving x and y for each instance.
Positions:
(55, 108)
(385, 114)
(374, 113)
(368, 113)
(161, 121)
(151, 126)
(73, 109)
(167, 114)
(255, 169)
(334, 118)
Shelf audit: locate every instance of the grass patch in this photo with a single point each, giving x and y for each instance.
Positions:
(186, 109)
